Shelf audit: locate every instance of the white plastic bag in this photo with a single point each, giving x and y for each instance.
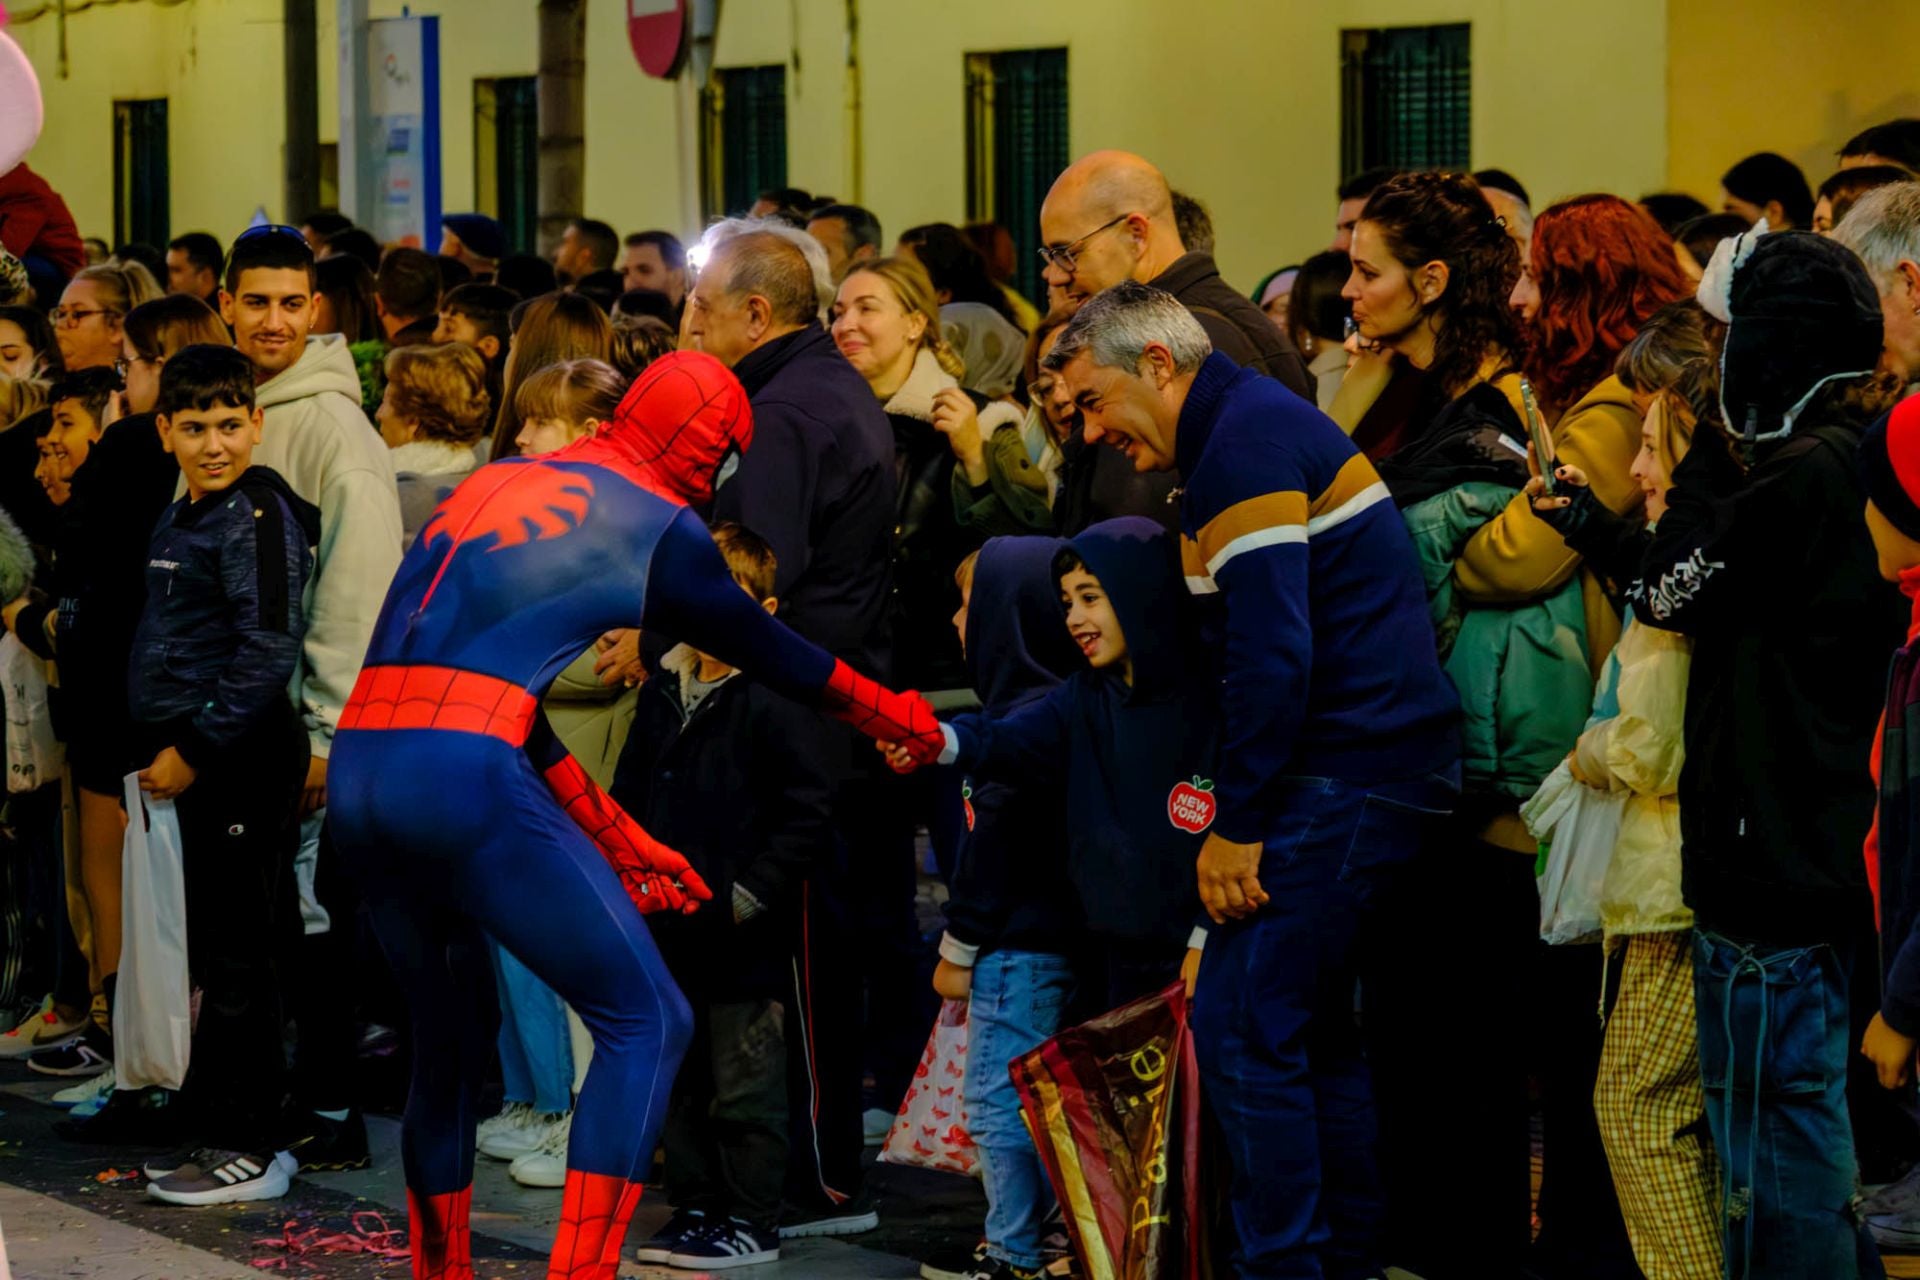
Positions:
(1577, 827)
(931, 1130)
(153, 1010)
(34, 755)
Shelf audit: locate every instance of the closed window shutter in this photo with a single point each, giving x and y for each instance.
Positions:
(1407, 98)
(753, 134)
(1016, 147)
(517, 159)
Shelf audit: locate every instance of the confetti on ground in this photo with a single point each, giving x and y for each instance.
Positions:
(117, 1175)
(368, 1234)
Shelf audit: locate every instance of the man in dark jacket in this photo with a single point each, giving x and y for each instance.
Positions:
(1763, 558)
(818, 485)
(734, 777)
(1109, 218)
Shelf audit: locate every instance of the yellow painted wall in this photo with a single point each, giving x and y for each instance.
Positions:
(1800, 80)
(1237, 99)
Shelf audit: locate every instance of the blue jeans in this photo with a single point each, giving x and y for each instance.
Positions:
(1774, 1043)
(1273, 1025)
(536, 1052)
(1016, 1004)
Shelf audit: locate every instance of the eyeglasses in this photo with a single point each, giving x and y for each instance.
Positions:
(70, 317)
(1065, 256)
(123, 364)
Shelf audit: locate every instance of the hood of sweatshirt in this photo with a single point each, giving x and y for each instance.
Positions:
(257, 482)
(1138, 564)
(325, 365)
(1017, 642)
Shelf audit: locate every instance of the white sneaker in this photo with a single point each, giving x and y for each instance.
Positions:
(513, 1142)
(513, 1116)
(86, 1092)
(41, 1029)
(547, 1166)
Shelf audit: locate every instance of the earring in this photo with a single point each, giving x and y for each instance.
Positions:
(1306, 346)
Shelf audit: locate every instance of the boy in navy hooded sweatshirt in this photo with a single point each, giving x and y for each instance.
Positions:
(1129, 743)
(1013, 918)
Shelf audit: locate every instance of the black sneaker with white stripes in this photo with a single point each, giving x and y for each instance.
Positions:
(725, 1243)
(225, 1177)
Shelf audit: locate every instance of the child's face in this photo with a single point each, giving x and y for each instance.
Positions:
(544, 435)
(213, 445)
(48, 472)
(73, 434)
(1091, 621)
(454, 327)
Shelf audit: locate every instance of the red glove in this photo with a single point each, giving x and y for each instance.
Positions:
(656, 878)
(905, 719)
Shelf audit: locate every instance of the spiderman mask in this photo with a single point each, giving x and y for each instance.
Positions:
(686, 420)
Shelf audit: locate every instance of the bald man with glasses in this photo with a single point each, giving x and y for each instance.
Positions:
(1109, 217)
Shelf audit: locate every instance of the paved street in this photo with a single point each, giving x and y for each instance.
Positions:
(61, 1223)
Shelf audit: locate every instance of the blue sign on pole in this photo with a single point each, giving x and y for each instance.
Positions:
(403, 129)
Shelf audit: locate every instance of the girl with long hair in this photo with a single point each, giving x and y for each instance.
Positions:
(547, 330)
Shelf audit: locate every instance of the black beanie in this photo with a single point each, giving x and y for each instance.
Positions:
(1802, 310)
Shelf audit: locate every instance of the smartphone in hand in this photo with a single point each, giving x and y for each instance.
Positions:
(1537, 432)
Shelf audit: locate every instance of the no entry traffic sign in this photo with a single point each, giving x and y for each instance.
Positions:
(657, 29)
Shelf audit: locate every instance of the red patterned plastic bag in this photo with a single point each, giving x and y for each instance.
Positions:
(931, 1130)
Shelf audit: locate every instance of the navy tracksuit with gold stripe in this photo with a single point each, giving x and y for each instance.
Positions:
(1339, 755)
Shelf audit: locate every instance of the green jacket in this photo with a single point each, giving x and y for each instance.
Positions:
(1521, 671)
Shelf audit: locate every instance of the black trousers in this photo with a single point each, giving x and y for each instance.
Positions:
(1463, 1009)
(726, 1134)
(238, 837)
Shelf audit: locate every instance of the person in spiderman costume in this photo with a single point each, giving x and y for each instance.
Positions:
(463, 815)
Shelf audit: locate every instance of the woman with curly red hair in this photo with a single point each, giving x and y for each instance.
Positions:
(1600, 267)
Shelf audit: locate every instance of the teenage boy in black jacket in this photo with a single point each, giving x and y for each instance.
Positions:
(736, 778)
(217, 648)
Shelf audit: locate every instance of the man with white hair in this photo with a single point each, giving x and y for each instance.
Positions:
(817, 483)
(1883, 227)
(1338, 755)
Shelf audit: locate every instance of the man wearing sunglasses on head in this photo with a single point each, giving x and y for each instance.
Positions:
(1108, 218)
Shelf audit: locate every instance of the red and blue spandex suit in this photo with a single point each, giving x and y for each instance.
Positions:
(462, 814)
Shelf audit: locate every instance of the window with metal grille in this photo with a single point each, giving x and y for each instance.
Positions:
(506, 156)
(1406, 98)
(1016, 147)
(743, 137)
(141, 203)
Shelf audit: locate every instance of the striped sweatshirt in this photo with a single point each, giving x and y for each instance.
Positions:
(1329, 663)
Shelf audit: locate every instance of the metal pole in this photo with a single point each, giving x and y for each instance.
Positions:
(356, 148)
(302, 75)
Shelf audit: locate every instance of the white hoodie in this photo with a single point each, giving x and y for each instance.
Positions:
(318, 439)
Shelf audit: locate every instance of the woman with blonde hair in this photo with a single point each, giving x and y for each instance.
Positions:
(93, 309)
(547, 330)
(432, 412)
(886, 322)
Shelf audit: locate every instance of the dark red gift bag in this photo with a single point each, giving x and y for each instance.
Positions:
(1114, 1106)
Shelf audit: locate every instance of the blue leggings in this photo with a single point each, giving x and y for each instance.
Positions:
(454, 836)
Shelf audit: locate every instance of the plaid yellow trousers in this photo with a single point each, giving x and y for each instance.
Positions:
(1653, 1117)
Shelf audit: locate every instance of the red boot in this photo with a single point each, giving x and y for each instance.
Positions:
(594, 1212)
(437, 1228)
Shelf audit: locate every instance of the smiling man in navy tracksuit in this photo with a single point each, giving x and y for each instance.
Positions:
(1338, 752)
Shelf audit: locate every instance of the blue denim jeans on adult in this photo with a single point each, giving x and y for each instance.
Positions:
(1017, 1001)
(1774, 1042)
(1280, 1053)
(536, 1052)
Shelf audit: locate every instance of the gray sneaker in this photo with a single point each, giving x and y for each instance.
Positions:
(225, 1177)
